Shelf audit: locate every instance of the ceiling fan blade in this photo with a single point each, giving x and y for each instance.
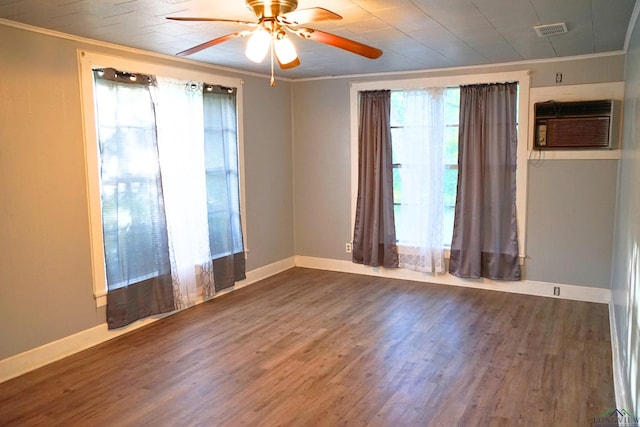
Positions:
(291, 64)
(303, 16)
(195, 19)
(213, 42)
(340, 42)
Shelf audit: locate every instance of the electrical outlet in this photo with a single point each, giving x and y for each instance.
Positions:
(347, 247)
(556, 291)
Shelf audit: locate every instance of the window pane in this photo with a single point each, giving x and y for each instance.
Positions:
(397, 213)
(134, 228)
(223, 190)
(396, 145)
(221, 241)
(450, 186)
(217, 192)
(397, 110)
(447, 225)
(214, 157)
(452, 106)
(397, 185)
(128, 231)
(451, 145)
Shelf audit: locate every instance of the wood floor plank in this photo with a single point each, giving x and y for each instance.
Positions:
(314, 348)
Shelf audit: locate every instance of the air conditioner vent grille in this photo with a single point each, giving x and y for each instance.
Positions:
(569, 109)
(577, 125)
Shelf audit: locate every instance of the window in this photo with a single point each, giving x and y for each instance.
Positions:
(452, 114)
(221, 168)
(450, 153)
(450, 161)
(138, 143)
(133, 220)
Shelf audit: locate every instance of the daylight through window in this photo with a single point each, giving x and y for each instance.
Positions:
(169, 183)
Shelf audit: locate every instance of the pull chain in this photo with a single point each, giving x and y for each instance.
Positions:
(273, 79)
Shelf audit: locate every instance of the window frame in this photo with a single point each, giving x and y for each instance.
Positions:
(523, 79)
(87, 61)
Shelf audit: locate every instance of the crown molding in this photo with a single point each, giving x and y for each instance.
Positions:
(132, 50)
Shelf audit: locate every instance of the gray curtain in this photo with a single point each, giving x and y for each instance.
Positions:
(134, 225)
(485, 240)
(226, 242)
(374, 235)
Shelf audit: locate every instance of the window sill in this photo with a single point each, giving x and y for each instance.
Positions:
(101, 300)
(539, 155)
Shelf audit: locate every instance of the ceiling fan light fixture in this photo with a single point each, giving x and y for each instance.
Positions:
(273, 19)
(285, 50)
(258, 45)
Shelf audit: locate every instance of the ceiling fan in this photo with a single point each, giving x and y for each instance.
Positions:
(276, 18)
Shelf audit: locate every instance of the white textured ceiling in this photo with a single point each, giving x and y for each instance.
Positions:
(414, 34)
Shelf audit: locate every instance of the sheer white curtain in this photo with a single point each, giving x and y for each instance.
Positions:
(422, 171)
(181, 146)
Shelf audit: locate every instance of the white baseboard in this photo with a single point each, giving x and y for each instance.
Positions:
(40, 356)
(22, 363)
(266, 271)
(528, 287)
(56, 350)
(622, 398)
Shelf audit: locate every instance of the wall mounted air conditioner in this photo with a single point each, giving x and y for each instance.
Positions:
(578, 125)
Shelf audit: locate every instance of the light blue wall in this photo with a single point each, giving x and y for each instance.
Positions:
(625, 278)
(46, 290)
(571, 205)
(570, 217)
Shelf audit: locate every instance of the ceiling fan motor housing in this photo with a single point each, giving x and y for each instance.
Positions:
(275, 17)
(273, 8)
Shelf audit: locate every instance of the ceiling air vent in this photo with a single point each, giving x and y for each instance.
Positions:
(550, 29)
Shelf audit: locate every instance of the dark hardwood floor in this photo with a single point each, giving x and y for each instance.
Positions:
(309, 347)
